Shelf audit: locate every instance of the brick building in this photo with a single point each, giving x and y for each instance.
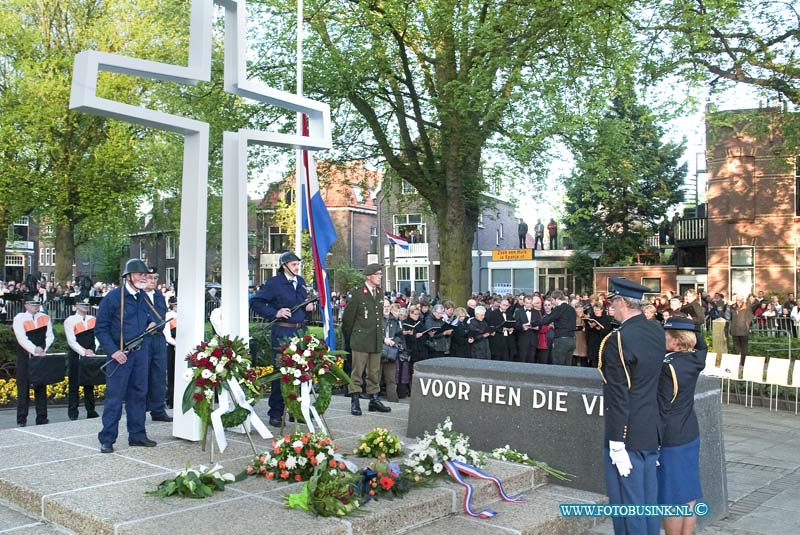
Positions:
(753, 209)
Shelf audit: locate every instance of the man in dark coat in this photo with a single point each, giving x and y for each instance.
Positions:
(362, 324)
(502, 342)
(274, 302)
(522, 231)
(631, 358)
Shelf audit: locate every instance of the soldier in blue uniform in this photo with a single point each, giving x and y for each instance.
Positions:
(156, 346)
(630, 364)
(274, 301)
(679, 461)
(123, 315)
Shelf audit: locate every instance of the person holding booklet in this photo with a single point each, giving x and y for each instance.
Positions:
(458, 340)
(478, 336)
(437, 333)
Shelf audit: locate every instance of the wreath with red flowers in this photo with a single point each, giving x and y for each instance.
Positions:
(307, 358)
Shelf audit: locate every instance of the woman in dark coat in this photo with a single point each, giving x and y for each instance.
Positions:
(598, 325)
(478, 335)
(458, 340)
(679, 460)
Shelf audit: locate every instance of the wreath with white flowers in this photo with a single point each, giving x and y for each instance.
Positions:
(307, 358)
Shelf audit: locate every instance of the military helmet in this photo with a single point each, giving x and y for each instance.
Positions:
(287, 257)
(135, 265)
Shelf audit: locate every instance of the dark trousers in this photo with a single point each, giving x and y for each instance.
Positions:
(73, 397)
(170, 375)
(543, 356)
(23, 393)
(526, 346)
(563, 348)
(538, 242)
(740, 347)
(522, 244)
(157, 375)
(125, 383)
(640, 487)
(553, 242)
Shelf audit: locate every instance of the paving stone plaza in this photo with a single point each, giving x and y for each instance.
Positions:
(53, 480)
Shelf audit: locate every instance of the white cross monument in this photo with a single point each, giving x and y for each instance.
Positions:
(194, 186)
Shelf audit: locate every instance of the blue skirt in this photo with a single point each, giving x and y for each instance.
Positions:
(679, 473)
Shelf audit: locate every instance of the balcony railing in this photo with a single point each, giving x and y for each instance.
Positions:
(691, 229)
(415, 250)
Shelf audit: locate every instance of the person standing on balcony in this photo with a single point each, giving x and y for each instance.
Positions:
(552, 231)
(522, 232)
(538, 233)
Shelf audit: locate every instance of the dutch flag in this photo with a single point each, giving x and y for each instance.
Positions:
(320, 227)
(397, 240)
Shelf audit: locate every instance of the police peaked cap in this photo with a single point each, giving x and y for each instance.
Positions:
(33, 299)
(85, 302)
(287, 257)
(679, 323)
(135, 265)
(622, 287)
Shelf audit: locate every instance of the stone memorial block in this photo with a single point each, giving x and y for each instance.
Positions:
(552, 413)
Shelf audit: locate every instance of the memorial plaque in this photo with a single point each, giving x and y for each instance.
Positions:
(552, 413)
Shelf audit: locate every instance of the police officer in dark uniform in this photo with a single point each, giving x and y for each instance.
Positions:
(679, 460)
(123, 315)
(274, 301)
(34, 333)
(630, 363)
(79, 330)
(157, 351)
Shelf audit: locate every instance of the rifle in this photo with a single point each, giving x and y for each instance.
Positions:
(136, 342)
(296, 308)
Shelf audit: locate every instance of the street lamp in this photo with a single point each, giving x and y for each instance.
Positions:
(594, 255)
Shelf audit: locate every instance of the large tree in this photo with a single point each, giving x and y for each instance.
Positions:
(85, 172)
(624, 181)
(431, 87)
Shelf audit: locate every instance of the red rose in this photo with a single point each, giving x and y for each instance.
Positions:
(228, 353)
(286, 379)
(200, 382)
(293, 396)
(198, 396)
(307, 338)
(216, 353)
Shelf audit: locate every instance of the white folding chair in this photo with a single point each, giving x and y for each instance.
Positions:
(752, 373)
(729, 371)
(711, 369)
(796, 383)
(777, 376)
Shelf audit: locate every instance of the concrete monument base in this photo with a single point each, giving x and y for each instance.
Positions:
(552, 413)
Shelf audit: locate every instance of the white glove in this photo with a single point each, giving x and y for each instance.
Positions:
(620, 458)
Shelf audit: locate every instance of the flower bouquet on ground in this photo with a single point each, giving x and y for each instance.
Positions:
(509, 454)
(307, 360)
(381, 479)
(294, 458)
(194, 483)
(329, 492)
(221, 370)
(427, 457)
(379, 443)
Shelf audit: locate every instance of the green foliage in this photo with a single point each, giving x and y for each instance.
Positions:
(348, 277)
(624, 181)
(199, 483)
(581, 266)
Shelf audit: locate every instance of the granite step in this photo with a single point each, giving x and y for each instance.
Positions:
(539, 515)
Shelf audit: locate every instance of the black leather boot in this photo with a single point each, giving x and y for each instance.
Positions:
(355, 405)
(376, 405)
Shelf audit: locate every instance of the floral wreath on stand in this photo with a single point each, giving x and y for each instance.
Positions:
(221, 369)
(307, 359)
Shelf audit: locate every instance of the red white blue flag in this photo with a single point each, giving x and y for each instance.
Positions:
(397, 240)
(320, 227)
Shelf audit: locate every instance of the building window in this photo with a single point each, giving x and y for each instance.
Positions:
(53, 256)
(170, 276)
(170, 246)
(654, 283)
(277, 240)
(501, 231)
(742, 270)
(411, 227)
(497, 237)
(404, 279)
(41, 255)
(480, 220)
(406, 188)
(46, 256)
(15, 260)
(421, 280)
(21, 221)
(142, 254)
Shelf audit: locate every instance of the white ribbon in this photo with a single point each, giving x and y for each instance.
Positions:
(226, 405)
(306, 407)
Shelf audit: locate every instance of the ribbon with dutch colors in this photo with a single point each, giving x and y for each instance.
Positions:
(308, 410)
(227, 405)
(456, 468)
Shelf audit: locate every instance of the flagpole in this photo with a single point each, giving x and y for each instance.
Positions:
(299, 178)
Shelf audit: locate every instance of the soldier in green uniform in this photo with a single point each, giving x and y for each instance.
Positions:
(362, 325)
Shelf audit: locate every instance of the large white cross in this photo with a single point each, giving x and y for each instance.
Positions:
(194, 185)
